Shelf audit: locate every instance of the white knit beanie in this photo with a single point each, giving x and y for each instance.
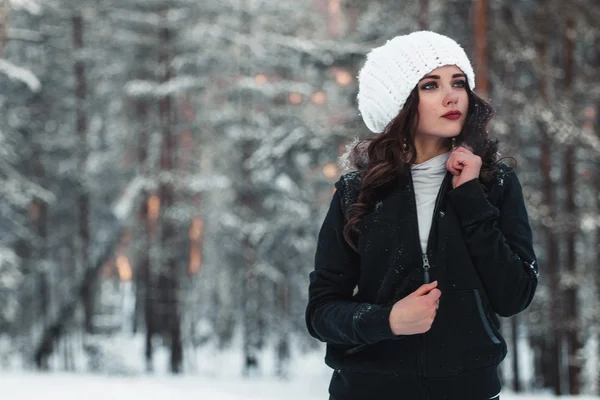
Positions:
(393, 70)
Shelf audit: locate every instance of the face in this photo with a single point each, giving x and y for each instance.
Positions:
(443, 103)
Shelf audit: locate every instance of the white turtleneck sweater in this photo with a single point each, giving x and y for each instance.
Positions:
(427, 179)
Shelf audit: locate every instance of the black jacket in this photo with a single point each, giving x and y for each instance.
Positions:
(481, 253)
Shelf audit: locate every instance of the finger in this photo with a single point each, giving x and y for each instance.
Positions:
(456, 169)
(424, 289)
(460, 160)
(454, 172)
(458, 164)
(434, 295)
(459, 156)
(450, 166)
(462, 156)
(463, 149)
(465, 159)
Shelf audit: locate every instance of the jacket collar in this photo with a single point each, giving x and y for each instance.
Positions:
(355, 158)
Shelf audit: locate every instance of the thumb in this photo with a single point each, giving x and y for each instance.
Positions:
(424, 289)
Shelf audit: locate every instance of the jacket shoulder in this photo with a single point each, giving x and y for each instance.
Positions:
(505, 174)
(504, 177)
(347, 187)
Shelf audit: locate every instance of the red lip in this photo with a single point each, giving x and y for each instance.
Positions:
(455, 114)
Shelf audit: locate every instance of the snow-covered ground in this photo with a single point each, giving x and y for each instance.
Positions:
(60, 386)
(213, 375)
(89, 387)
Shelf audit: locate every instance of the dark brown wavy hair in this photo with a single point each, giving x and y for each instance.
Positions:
(387, 159)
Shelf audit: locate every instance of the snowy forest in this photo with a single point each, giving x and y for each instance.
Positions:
(165, 166)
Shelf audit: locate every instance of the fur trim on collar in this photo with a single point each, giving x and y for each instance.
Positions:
(355, 157)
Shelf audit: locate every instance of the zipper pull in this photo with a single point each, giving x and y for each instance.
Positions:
(426, 267)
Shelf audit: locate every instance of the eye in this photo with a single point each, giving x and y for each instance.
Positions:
(460, 84)
(429, 85)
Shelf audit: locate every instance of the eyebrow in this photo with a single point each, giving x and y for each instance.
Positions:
(438, 77)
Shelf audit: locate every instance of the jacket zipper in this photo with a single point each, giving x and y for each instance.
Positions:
(426, 264)
(438, 201)
(426, 267)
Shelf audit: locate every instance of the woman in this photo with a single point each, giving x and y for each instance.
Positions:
(426, 242)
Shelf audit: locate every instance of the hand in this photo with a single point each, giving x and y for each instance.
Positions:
(415, 313)
(464, 165)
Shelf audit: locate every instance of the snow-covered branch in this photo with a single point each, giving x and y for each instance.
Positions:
(31, 6)
(322, 50)
(17, 73)
(152, 89)
(130, 198)
(26, 35)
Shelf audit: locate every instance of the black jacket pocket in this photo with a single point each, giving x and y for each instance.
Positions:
(486, 323)
(387, 357)
(461, 336)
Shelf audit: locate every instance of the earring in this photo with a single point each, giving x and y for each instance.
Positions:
(453, 143)
(404, 146)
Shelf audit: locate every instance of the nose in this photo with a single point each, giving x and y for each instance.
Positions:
(450, 98)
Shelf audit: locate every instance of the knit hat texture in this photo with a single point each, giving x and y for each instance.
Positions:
(393, 70)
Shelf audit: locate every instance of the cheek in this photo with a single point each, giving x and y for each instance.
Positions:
(427, 110)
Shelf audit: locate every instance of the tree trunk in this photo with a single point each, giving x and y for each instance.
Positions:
(169, 272)
(592, 124)
(594, 127)
(83, 199)
(247, 199)
(142, 270)
(423, 14)
(144, 274)
(54, 331)
(554, 337)
(146, 290)
(552, 372)
(514, 326)
(251, 302)
(572, 325)
(283, 348)
(252, 290)
(481, 48)
(252, 307)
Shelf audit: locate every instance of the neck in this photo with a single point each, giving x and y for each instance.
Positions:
(429, 148)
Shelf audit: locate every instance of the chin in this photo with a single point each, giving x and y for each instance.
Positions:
(449, 135)
(440, 134)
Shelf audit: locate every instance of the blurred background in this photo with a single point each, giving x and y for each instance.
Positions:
(165, 166)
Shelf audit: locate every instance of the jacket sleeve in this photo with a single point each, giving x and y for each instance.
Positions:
(331, 314)
(500, 242)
